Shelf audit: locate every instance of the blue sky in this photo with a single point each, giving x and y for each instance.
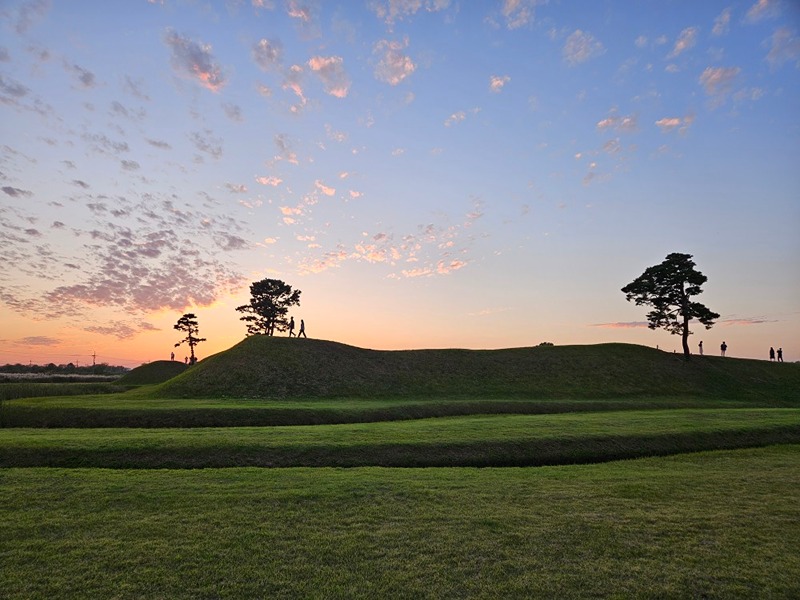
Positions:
(430, 173)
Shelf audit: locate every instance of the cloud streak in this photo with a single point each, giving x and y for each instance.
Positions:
(194, 60)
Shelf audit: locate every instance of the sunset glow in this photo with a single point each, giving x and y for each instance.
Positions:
(482, 174)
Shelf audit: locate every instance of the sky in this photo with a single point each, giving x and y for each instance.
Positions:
(429, 173)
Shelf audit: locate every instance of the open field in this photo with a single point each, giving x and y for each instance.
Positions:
(721, 524)
(123, 495)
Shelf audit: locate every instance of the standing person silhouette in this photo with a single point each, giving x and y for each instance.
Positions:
(771, 353)
(723, 347)
(780, 354)
(700, 346)
(302, 329)
(291, 326)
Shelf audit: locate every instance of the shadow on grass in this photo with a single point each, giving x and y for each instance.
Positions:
(527, 453)
(55, 417)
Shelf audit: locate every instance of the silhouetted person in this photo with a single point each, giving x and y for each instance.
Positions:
(771, 353)
(723, 347)
(700, 346)
(186, 360)
(302, 329)
(291, 326)
(780, 354)
(172, 356)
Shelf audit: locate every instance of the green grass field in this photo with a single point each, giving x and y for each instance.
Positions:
(139, 494)
(722, 524)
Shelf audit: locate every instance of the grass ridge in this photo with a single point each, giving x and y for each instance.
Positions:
(269, 367)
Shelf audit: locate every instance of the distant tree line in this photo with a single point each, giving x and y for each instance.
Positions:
(68, 369)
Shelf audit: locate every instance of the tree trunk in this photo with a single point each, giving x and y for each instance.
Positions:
(686, 319)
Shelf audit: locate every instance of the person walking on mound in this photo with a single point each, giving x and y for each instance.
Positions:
(302, 329)
(723, 347)
(771, 353)
(291, 326)
(780, 354)
(700, 346)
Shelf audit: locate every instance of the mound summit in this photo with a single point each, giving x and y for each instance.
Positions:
(273, 367)
(157, 371)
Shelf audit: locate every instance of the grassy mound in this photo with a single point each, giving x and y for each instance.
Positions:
(157, 371)
(264, 367)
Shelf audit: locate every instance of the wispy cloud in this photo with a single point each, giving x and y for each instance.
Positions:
(16, 192)
(195, 61)
(668, 124)
(746, 321)
(518, 13)
(267, 54)
(293, 81)
(626, 123)
(205, 142)
(763, 9)
(84, 77)
(391, 11)
(393, 65)
(686, 40)
(718, 81)
(580, 47)
(28, 13)
(269, 180)
(331, 70)
(37, 340)
(497, 82)
(722, 23)
(784, 47)
(233, 112)
(455, 118)
(622, 325)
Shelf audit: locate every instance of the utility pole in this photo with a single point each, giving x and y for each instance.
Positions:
(94, 356)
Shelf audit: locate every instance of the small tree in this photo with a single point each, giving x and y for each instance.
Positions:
(269, 304)
(668, 288)
(188, 324)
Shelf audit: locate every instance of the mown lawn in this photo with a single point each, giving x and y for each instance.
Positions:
(719, 524)
(138, 409)
(478, 440)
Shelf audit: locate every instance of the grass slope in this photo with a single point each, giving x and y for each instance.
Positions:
(270, 367)
(157, 371)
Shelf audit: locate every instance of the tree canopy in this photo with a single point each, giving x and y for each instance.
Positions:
(270, 300)
(668, 288)
(188, 324)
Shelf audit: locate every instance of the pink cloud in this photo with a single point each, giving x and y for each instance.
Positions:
(331, 70)
(668, 124)
(195, 61)
(718, 81)
(328, 191)
(624, 124)
(496, 83)
(763, 9)
(393, 65)
(269, 180)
